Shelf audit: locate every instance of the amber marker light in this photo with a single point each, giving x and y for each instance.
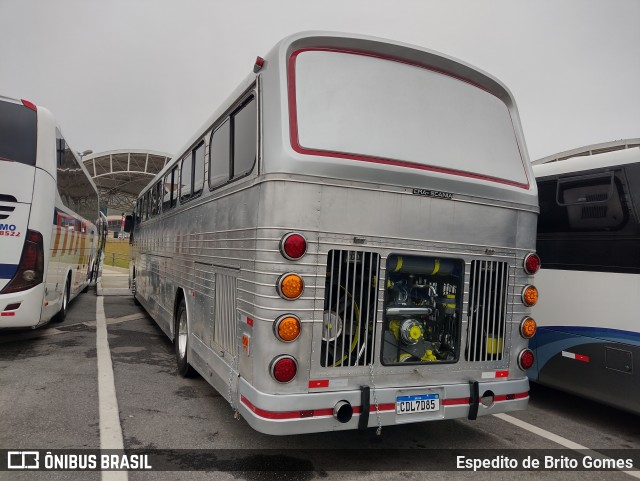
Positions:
(528, 328)
(529, 295)
(287, 328)
(290, 286)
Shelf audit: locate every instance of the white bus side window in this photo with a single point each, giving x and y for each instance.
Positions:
(220, 155)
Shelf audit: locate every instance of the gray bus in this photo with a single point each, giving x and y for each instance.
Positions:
(347, 242)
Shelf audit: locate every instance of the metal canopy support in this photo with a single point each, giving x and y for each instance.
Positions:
(120, 184)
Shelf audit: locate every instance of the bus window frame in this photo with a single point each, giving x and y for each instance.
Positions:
(245, 100)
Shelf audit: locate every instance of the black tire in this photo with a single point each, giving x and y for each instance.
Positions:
(62, 313)
(181, 341)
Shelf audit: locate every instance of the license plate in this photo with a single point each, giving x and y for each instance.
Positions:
(420, 403)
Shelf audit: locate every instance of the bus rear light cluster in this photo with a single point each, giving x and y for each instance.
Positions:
(31, 268)
(528, 327)
(290, 286)
(293, 246)
(287, 328)
(529, 295)
(526, 359)
(531, 263)
(283, 368)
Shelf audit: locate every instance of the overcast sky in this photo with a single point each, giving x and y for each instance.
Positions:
(145, 74)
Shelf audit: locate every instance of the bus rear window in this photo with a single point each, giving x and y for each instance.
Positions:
(18, 133)
(369, 108)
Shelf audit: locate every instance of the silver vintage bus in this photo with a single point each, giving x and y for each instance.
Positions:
(347, 242)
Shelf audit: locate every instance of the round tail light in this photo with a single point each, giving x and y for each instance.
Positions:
(284, 368)
(528, 328)
(525, 359)
(293, 246)
(290, 286)
(531, 263)
(529, 295)
(287, 328)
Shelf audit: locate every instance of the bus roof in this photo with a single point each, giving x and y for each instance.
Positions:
(593, 156)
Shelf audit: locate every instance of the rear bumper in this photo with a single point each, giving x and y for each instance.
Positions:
(305, 413)
(28, 314)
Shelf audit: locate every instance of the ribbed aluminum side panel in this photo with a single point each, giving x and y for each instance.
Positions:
(487, 314)
(349, 319)
(225, 321)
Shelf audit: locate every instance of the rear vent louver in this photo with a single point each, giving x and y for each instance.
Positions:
(350, 300)
(487, 313)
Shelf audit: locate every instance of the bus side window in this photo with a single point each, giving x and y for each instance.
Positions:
(153, 209)
(186, 178)
(220, 155)
(167, 191)
(158, 194)
(175, 173)
(198, 169)
(245, 125)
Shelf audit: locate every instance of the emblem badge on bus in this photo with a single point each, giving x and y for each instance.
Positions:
(433, 193)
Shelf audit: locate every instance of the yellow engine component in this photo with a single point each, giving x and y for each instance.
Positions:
(429, 356)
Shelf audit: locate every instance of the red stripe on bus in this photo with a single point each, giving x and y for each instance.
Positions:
(306, 413)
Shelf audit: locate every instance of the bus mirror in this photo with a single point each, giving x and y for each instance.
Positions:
(128, 223)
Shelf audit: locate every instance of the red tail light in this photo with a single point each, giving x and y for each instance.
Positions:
(293, 246)
(284, 368)
(531, 263)
(31, 268)
(525, 359)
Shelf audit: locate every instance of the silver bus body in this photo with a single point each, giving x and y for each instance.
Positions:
(406, 173)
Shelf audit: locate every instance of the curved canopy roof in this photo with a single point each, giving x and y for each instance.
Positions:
(120, 175)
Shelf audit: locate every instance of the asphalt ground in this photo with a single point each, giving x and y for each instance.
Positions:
(49, 399)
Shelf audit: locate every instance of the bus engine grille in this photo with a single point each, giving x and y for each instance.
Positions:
(349, 318)
(487, 313)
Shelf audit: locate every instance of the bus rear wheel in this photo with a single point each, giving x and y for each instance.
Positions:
(181, 341)
(62, 313)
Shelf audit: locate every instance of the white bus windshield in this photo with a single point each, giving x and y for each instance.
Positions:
(18, 133)
(360, 105)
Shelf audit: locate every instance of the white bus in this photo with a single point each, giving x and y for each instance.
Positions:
(342, 244)
(588, 341)
(48, 207)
